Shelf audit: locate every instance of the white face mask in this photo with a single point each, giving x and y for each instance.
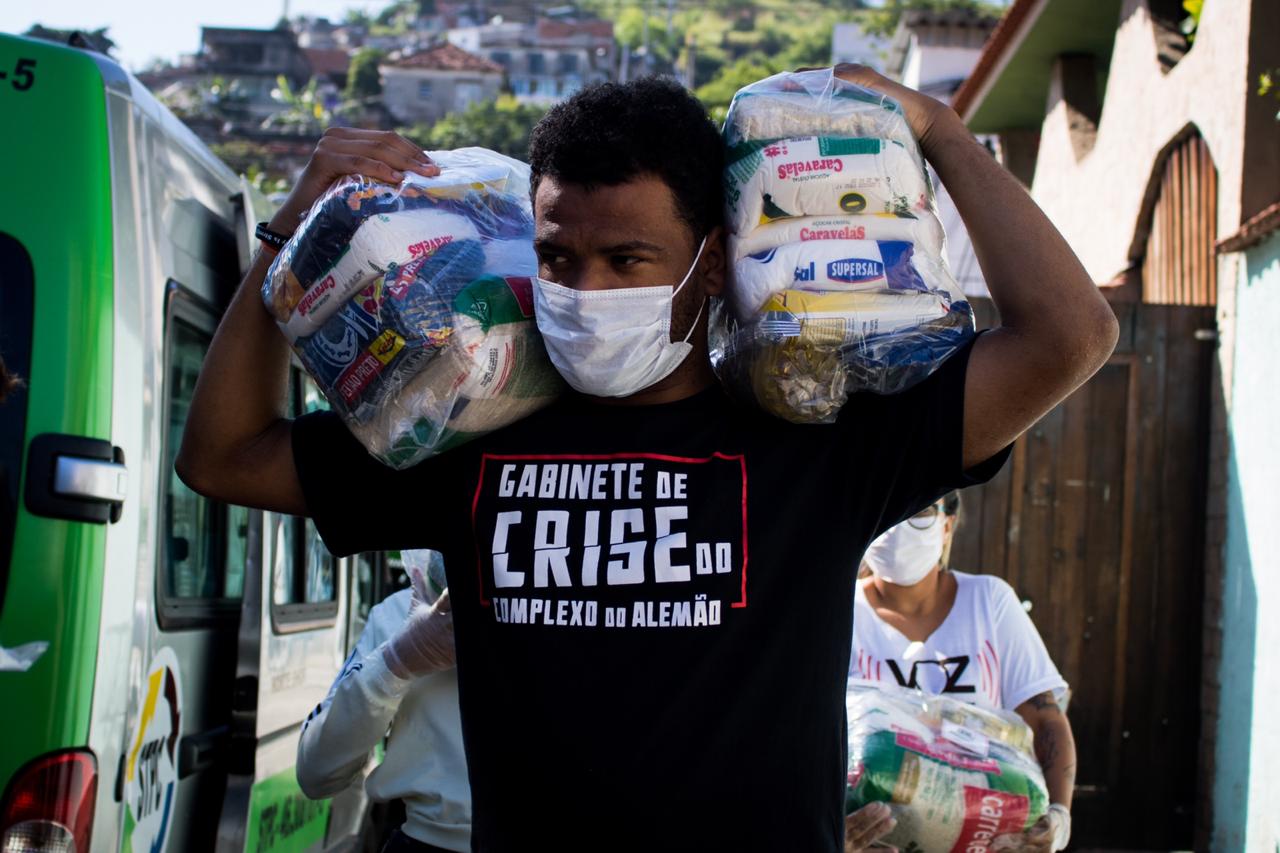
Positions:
(612, 343)
(903, 555)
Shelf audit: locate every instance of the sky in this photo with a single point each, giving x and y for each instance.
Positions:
(144, 30)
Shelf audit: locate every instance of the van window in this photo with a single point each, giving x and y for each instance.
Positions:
(204, 543)
(16, 317)
(307, 574)
(304, 582)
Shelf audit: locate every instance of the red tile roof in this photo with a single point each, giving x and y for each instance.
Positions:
(327, 61)
(549, 29)
(446, 56)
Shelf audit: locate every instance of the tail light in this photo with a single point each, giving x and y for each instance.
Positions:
(48, 807)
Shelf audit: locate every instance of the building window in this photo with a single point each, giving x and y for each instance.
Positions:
(537, 63)
(502, 58)
(424, 89)
(568, 63)
(466, 93)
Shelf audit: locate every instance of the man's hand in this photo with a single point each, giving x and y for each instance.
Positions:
(1047, 835)
(1056, 328)
(424, 644)
(924, 114)
(379, 154)
(866, 826)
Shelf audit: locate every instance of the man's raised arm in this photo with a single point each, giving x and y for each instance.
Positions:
(236, 443)
(1056, 330)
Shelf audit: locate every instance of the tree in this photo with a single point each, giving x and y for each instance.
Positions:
(811, 47)
(503, 125)
(717, 94)
(884, 21)
(628, 30)
(300, 112)
(357, 18)
(363, 80)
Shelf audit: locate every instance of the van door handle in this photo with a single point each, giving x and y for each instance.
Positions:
(89, 479)
(75, 478)
(201, 751)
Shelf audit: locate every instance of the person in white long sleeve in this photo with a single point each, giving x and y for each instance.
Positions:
(400, 676)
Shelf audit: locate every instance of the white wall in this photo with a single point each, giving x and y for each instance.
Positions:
(1247, 760)
(1142, 111)
(850, 44)
(935, 63)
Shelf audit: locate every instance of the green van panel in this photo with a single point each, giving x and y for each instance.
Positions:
(57, 205)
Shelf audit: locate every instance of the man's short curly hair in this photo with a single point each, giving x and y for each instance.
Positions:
(610, 133)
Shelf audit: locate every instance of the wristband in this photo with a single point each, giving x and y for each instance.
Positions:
(1062, 832)
(272, 240)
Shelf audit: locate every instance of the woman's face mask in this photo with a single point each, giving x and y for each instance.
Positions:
(905, 554)
(612, 342)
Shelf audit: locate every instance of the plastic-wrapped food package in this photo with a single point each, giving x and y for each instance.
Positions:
(817, 175)
(926, 232)
(954, 775)
(838, 279)
(832, 269)
(361, 228)
(494, 371)
(412, 306)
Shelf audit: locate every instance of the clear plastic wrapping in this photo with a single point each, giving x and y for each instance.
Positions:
(412, 305)
(838, 281)
(956, 776)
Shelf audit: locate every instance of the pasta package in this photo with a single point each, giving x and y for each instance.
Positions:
(412, 307)
(838, 280)
(955, 776)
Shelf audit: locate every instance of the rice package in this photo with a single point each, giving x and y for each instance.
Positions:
(411, 306)
(955, 776)
(838, 281)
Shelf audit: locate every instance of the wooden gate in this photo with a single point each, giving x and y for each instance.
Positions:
(1098, 521)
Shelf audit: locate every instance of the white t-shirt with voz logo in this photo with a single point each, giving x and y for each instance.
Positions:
(987, 651)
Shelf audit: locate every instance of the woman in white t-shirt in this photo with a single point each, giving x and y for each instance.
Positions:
(918, 624)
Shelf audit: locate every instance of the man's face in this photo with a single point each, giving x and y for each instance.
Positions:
(629, 235)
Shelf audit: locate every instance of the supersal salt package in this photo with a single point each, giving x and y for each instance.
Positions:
(838, 281)
(411, 306)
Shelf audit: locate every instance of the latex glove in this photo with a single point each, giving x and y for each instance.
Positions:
(1049, 834)
(424, 643)
(866, 826)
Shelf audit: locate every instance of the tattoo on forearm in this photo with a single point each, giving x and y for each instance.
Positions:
(1049, 752)
(1045, 701)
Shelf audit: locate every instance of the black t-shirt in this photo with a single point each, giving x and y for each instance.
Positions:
(653, 606)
